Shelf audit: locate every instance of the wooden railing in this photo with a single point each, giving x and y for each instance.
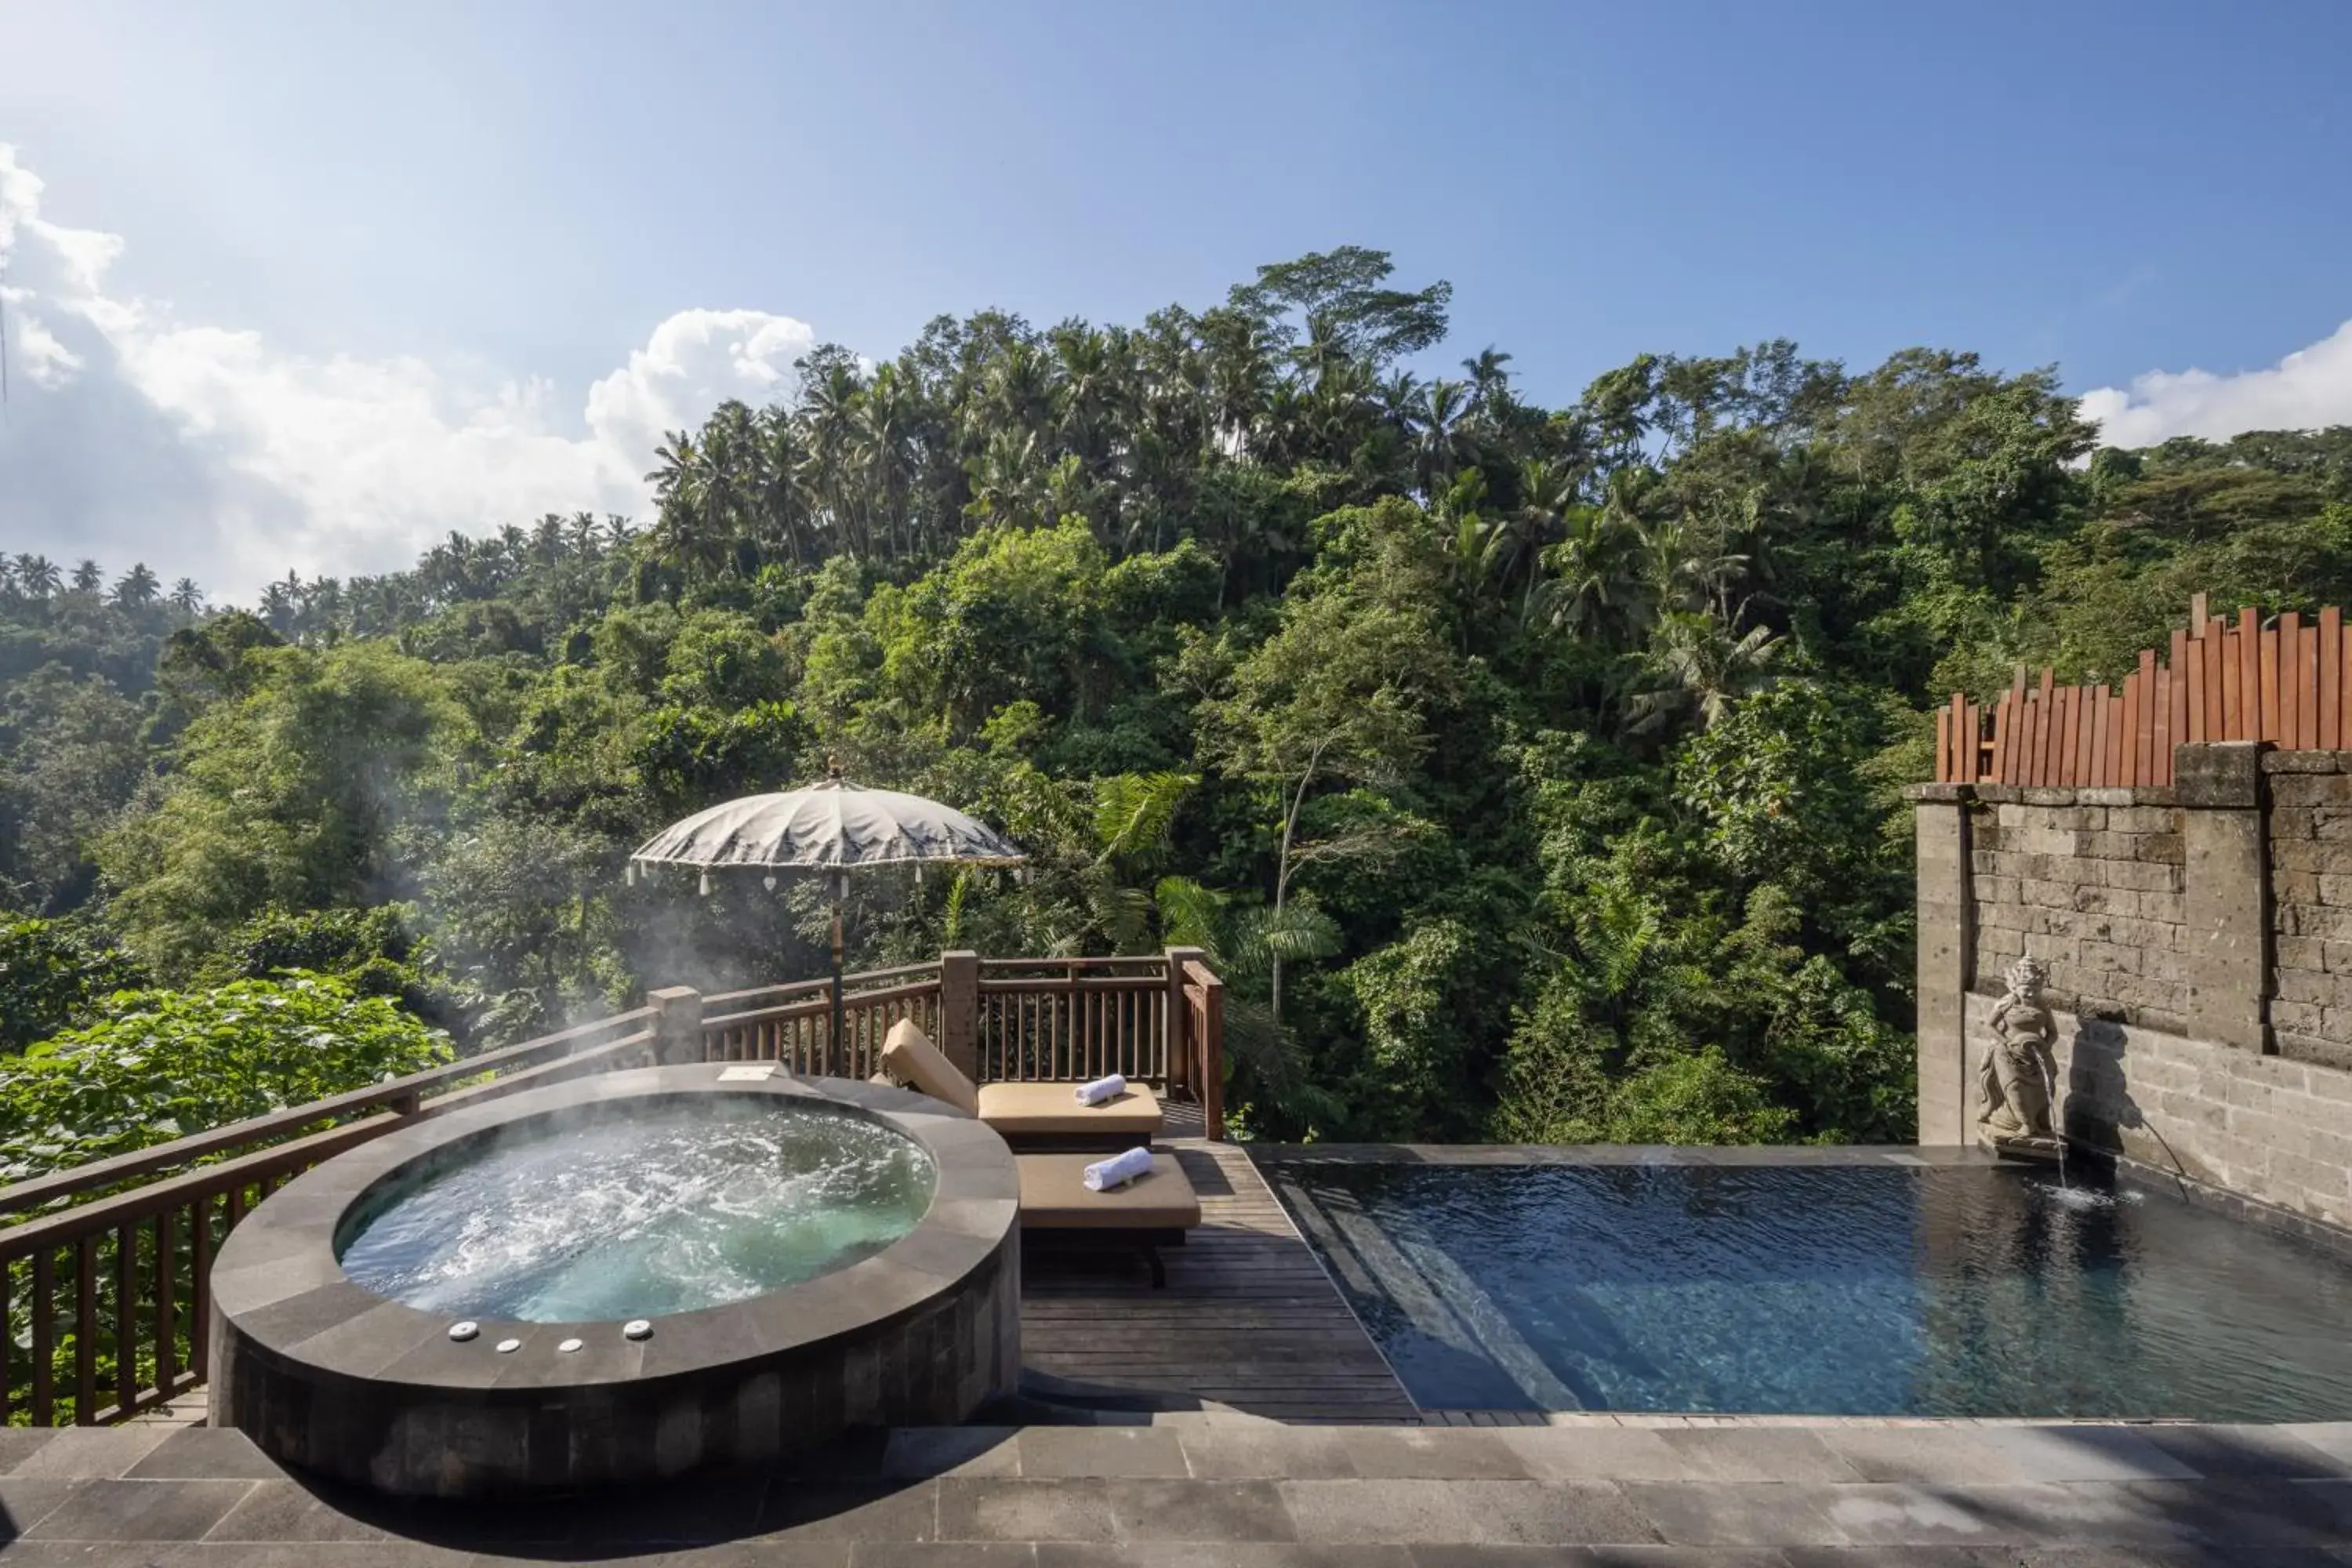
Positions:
(105, 1279)
(1203, 998)
(1044, 1020)
(111, 1276)
(1002, 1019)
(788, 1024)
(2289, 683)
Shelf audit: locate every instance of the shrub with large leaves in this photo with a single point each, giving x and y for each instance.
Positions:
(52, 976)
(165, 1064)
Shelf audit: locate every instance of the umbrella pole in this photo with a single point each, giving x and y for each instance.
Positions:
(833, 1040)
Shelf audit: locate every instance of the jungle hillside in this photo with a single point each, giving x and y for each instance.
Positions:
(1530, 772)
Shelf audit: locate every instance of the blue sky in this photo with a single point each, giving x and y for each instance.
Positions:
(349, 239)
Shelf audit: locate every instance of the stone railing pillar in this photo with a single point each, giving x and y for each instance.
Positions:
(958, 1039)
(1947, 940)
(2225, 892)
(678, 1024)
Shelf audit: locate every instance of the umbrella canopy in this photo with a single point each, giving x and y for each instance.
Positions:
(832, 826)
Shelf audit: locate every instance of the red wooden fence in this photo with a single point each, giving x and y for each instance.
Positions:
(2289, 683)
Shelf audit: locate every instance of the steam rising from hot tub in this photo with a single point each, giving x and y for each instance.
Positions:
(678, 1207)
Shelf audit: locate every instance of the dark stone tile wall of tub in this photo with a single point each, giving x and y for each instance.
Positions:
(934, 1367)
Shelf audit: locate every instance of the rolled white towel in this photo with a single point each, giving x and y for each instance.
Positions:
(1119, 1170)
(1102, 1089)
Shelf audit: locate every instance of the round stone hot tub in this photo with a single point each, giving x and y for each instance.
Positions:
(622, 1278)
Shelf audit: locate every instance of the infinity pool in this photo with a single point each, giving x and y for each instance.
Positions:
(1870, 1290)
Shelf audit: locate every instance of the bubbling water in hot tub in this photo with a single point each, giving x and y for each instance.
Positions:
(671, 1207)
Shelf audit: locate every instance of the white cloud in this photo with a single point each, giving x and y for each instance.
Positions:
(2310, 388)
(205, 451)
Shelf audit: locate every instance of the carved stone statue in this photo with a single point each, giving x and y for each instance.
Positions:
(2020, 1069)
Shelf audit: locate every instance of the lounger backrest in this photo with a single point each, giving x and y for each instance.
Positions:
(909, 1056)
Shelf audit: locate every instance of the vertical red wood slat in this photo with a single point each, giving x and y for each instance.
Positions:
(2184, 659)
(2049, 696)
(2036, 738)
(2307, 688)
(2290, 686)
(2249, 675)
(2060, 757)
(2098, 773)
(1972, 760)
(2196, 690)
(2125, 754)
(1957, 737)
(2021, 739)
(2345, 682)
(2084, 698)
(2233, 696)
(2161, 759)
(2331, 678)
(2268, 675)
(2216, 645)
(2144, 756)
(2000, 738)
(2076, 698)
(1945, 773)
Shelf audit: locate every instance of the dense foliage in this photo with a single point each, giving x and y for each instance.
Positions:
(1530, 771)
(164, 1063)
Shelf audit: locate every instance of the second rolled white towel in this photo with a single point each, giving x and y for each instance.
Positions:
(1119, 1170)
(1102, 1089)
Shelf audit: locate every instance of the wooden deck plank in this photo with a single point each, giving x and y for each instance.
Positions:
(1248, 1318)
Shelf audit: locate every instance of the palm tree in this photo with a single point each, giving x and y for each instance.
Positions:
(1438, 453)
(38, 576)
(683, 535)
(1490, 383)
(1699, 663)
(137, 588)
(87, 577)
(281, 604)
(1593, 580)
(581, 529)
(186, 597)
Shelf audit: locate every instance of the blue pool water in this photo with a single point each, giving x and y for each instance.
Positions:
(1843, 1289)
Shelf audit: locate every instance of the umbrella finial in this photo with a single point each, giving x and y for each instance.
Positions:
(832, 767)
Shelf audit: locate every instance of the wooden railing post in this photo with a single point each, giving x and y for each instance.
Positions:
(959, 1011)
(1212, 1055)
(1178, 1045)
(677, 1023)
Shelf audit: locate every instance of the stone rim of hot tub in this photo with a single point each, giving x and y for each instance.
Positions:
(279, 1286)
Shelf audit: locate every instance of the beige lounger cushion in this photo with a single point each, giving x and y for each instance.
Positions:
(1018, 1109)
(909, 1058)
(1053, 1196)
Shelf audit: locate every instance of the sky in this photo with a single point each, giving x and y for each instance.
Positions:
(305, 287)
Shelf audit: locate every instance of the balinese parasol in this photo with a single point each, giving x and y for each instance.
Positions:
(833, 826)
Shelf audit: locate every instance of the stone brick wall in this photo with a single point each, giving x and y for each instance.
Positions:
(2263, 1127)
(2090, 882)
(2199, 945)
(2310, 844)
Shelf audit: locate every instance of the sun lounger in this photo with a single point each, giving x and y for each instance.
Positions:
(1147, 1213)
(1039, 1117)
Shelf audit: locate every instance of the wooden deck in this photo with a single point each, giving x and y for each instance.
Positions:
(1248, 1319)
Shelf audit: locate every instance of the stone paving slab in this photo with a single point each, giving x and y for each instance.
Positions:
(1251, 1494)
